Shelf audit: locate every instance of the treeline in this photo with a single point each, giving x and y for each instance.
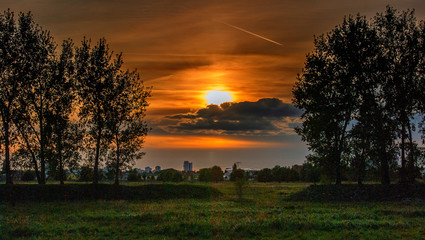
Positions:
(278, 174)
(306, 173)
(361, 89)
(65, 108)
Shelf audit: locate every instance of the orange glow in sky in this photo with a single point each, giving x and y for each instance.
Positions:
(205, 142)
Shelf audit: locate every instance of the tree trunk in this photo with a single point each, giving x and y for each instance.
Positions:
(339, 147)
(385, 175)
(96, 158)
(61, 172)
(359, 180)
(338, 178)
(403, 158)
(361, 168)
(117, 166)
(9, 179)
(336, 158)
(383, 158)
(411, 172)
(42, 161)
(34, 159)
(42, 143)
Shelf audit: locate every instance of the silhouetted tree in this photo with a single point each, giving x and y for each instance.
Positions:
(310, 173)
(170, 175)
(205, 175)
(134, 176)
(10, 84)
(33, 111)
(126, 110)
(362, 77)
(360, 151)
(216, 174)
(239, 178)
(265, 175)
(86, 174)
(399, 35)
(421, 104)
(237, 173)
(28, 176)
(213, 174)
(64, 96)
(95, 73)
(326, 89)
(279, 174)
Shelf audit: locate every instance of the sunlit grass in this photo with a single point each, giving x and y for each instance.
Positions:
(263, 213)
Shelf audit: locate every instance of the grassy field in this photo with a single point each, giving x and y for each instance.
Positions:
(263, 213)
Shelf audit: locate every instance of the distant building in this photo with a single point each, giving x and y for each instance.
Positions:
(187, 166)
(227, 173)
(157, 169)
(148, 169)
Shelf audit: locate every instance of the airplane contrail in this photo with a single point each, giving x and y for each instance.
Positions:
(246, 31)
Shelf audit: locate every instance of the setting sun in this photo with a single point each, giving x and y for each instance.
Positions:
(218, 97)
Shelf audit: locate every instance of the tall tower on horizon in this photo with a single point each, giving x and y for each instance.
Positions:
(187, 166)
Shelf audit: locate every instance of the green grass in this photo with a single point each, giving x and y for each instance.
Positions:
(264, 213)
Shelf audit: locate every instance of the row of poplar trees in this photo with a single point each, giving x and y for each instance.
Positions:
(361, 89)
(63, 108)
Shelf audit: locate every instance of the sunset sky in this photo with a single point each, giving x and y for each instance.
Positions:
(197, 52)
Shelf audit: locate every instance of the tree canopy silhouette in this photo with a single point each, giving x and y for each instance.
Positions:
(359, 91)
(55, 105)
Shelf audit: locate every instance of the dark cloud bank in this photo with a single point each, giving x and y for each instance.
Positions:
(265, 116)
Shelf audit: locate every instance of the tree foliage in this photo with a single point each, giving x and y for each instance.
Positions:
(359, 91)
(134, 176)
(60, 109)
(213, 174)
(278, 174)
(170, 175)
(125, 122)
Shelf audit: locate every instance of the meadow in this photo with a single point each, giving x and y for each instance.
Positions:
(264, 212)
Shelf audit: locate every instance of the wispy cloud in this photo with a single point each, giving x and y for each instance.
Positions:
(249, 32)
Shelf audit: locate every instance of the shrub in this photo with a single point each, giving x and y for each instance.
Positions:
(134, 176)
(237, 173)
(170, 175)
(28, 176)
(57, 176)
(265, 175)
(86, 174)
(214, 174)
(310, 173)
(240, 179)
(204, 175)
(240, 184)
